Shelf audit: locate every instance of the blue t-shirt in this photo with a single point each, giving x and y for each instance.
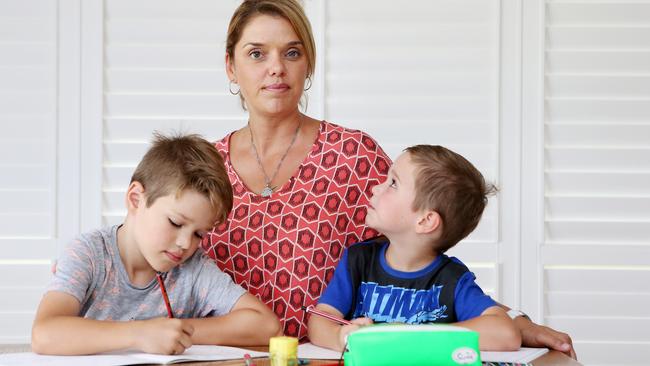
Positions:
(365, 285)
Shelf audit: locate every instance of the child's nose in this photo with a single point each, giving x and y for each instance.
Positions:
(375, 189)
(184, 241)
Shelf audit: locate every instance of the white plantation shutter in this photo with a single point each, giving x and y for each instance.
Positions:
(596, 248)
(28, 160)
(550, 100)
(427, 73)
(164, 71)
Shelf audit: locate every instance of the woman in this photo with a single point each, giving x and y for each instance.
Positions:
(301, 185)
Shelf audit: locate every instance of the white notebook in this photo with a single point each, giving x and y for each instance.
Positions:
(524, 355)
(194, 353)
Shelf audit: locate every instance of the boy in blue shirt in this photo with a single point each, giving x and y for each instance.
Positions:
(431, 199)
(105, 295)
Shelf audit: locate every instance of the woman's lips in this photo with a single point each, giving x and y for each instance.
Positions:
(277, 87)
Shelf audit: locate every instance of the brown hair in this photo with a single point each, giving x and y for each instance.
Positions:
(176, 163)
(450, 185)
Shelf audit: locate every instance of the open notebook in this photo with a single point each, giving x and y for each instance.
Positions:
(194, 353)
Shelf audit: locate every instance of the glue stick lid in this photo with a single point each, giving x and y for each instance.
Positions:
(287, 346)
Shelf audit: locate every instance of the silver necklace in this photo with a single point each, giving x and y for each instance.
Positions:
(268, 190)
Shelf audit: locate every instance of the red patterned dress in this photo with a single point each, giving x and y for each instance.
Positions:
(284, 248)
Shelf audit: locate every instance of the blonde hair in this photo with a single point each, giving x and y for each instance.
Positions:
(180, 162)
(291, 10)
(450, 185)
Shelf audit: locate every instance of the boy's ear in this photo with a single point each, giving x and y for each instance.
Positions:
(135, 196)
(429, 222)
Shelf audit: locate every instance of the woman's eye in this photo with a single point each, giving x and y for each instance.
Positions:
(173, 223)
(293, 54)
(199, 235)
(393, 183)
(255, 55)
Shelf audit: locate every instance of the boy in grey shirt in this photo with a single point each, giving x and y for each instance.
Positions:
(105, 295)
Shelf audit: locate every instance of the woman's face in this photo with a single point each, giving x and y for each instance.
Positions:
(270, 66)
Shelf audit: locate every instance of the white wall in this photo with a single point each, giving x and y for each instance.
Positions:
(548, 99)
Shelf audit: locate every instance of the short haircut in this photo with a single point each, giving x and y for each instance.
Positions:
(447, 183)
(176, 163)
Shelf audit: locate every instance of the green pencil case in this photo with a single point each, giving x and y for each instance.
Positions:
(401, 344)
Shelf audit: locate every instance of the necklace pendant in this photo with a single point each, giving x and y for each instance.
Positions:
(267, 191)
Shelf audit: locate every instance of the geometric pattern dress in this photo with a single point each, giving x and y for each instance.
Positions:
(284, 248)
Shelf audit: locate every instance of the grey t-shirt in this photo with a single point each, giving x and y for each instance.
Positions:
(91, 270)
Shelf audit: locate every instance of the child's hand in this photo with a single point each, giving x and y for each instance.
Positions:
(346, 329)
(163, 336)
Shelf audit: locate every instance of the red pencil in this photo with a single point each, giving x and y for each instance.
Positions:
(331, 317)
(164, 293)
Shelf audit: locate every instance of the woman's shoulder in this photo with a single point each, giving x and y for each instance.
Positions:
(351, 137)
(223, 144)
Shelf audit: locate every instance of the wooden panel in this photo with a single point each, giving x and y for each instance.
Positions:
(392, 58)
(31, 152)
(595, 183)
(126, 154)
(16, 327)
(168, 80)
(619, 159)
(116, 177)
(598, 37)
(16, 54)
(604, 135)
(26, 224)
(410, 83)
(474, 252)
(598, 304)
(24, 201)
(598, 13)
(23, 275)
(141, 129)
(171, 105)
(612, 255)
(594, 109)
(28, 103)
(34, 176)
(175, 57)
(165, 31)
(36, 126)
(445, 11)
(170, 9)
(587, 62)
(21, 249)
(597, 279)
(21, 299)
(396, 107)
(615, 328)
(597, 208)
(608, 231)
(26, 78)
